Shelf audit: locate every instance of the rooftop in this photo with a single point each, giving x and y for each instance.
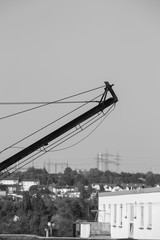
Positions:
(129, 192)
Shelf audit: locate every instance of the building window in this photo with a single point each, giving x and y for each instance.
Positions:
(135, 210)
(141, 216)
(104, 212)
(126, 211)
(115, 215)
(149, 223)
(109, 212)
(131, 212)
(120, 215)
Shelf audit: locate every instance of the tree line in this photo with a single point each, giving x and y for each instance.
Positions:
(73, 177)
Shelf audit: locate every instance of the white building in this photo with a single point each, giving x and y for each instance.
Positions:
(95, 186)
(131, 214)
(26, 184)
(9, 181)
(61, 191)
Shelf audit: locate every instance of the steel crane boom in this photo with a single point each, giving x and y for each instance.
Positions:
(104, 103)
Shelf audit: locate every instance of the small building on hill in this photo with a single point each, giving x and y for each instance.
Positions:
(27, 183)
(131, 214)
(9, 181)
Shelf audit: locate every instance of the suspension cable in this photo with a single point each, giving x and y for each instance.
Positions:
(106, 114)
(58, 142)
(44, 104)
(21, 140)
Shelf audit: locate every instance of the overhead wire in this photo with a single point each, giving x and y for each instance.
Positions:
(43, 104)
(65, 115)
(46, 103)
(62, 138)
(113, 106)
(42, 152)
(34, 108)
(108, 112)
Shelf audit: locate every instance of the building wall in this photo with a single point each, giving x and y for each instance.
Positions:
(3, 193)
(131, 214)
(26, 184)
(9, 181)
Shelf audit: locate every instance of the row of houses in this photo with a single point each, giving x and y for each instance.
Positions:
(23, 185)
(14, 186)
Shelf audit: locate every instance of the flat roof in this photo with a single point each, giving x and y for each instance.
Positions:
(129, 192)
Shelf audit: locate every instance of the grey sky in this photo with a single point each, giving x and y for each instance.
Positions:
(52, 49)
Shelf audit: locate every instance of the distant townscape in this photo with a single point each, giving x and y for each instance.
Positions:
(42, 200)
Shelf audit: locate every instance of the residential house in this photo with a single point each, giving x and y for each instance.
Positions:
(61, 191)
(13, 188)
(26, 184)
(95, 186)
(9, 181)
(72, 194)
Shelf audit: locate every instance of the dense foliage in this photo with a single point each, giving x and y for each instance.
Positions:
(35, 212)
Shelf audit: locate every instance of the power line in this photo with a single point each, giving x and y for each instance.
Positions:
(117, 163)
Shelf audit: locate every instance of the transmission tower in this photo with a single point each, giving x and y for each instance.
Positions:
(117, 163)
(106, 159)
(103, 161)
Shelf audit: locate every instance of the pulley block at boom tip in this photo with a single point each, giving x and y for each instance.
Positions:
(104, 103)
(108, 87)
